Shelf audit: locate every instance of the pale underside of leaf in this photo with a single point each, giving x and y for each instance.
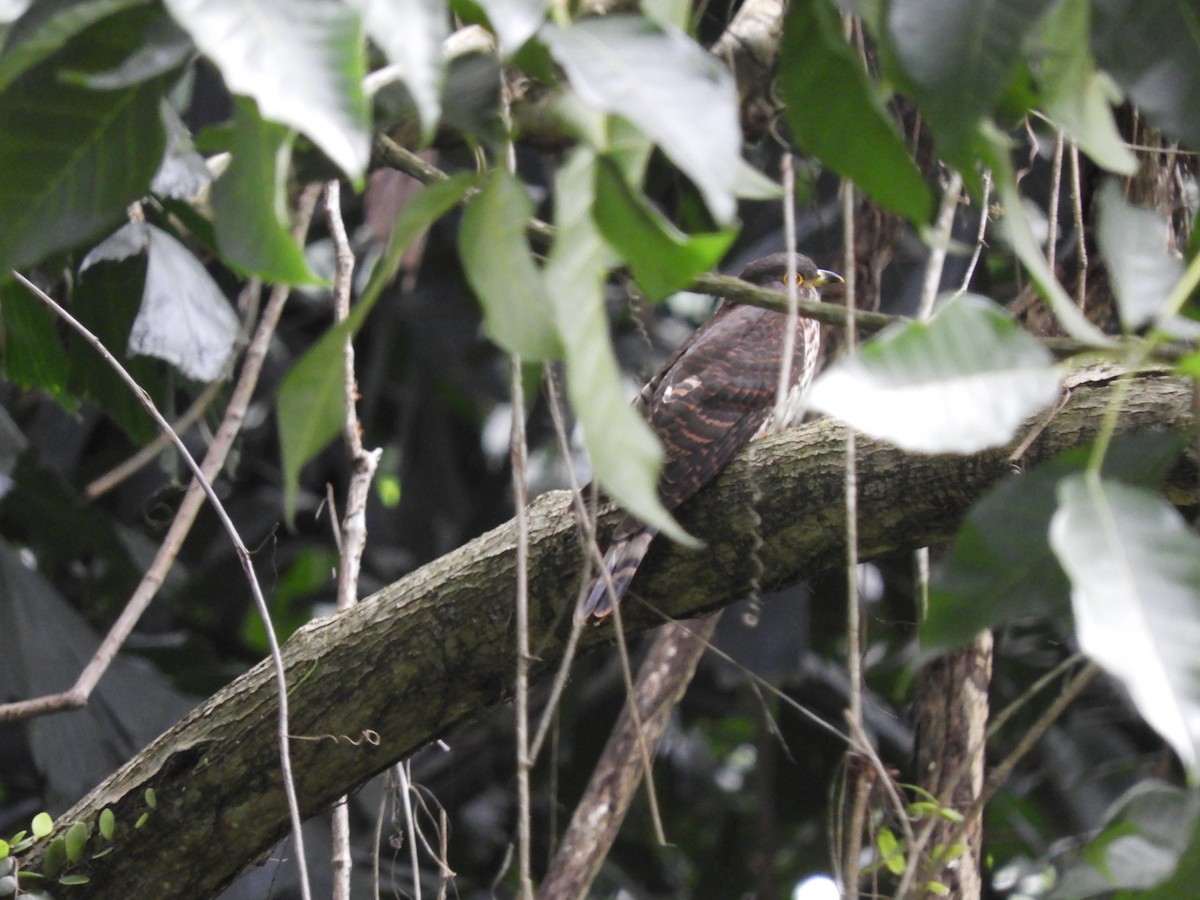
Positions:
(961, 383)
(302, 60)
(1134, 567)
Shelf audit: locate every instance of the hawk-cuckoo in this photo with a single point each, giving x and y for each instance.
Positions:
(714, 395)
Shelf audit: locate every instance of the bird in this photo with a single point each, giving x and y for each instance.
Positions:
(712, 396)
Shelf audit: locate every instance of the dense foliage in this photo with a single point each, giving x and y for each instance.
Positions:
(548, 183)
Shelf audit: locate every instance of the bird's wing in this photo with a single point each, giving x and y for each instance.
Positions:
(714, 395)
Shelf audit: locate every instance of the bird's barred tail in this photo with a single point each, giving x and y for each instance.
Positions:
(621, 563)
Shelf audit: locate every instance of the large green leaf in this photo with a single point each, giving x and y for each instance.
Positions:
(249, 202)
(1135, 242)
(958, 56)
(33, 354)
(46, 27)
(410, 33)
(1134, 566)
(836, 115)
(964, 381)
(625, 454)
(1151, 48)
(1001, 568)
(663, 259)
(517, 312)
(1073, 93)
(668, 86)
(1144, 835)
(73, 160)
(302, 60)
(311, 406)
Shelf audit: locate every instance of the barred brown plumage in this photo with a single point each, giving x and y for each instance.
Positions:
(713, 396)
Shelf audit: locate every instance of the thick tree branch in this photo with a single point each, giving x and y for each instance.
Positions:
(436, 647)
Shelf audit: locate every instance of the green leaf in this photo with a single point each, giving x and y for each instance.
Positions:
(663, 259)
(663, 82)
(47, 27)
(962, 382)
(302, 60)
(33, 355)
(1074, 94)
(625, 454)
(1134, 242)
(73, 880)
(410, 33)
(514, 21)
(1150, 47)
(890, 850)
(108, 823)
(55, 857)
(959, 56)
(151, 798)
(249, 202)
(835, 114)
(517, 313)
(1145, 833)
(1001, 567)
(310, 408)
(76, 837)
(1015, 226)
(162, 46)
(142, 820)
(41, 825)
(1134, 567)
(82, 156)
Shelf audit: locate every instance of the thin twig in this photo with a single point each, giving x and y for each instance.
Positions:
(353, 534)
(239, 547)
(193, 499)
(518, 452)
(1056, 166)
(980, 236)
(127, 468)
(1080, 234)
(404, 775)
(939, 244)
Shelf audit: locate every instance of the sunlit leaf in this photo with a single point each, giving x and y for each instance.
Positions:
(1075, 95)
(962, 382)
(668, 86)
(249, 202)
(662, 257)
(311, 405)
(958, 56)
(625, 454)
(515, 21)
(46, 27)
(410, 33)
(1001, 567)
(1134, 242)
(65, 141)
(41, 825)
(1134, 567)
(301, 60)
(835, 114)
(517, 313)
(1151, 48)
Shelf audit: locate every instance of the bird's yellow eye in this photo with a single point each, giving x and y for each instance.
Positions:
(799, 279)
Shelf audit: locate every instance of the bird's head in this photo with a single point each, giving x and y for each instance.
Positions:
(772, 272)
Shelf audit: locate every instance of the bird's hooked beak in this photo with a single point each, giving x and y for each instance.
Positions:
(825, 276)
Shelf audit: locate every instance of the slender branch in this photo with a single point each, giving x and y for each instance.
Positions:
(239, 547)
(189, 507)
